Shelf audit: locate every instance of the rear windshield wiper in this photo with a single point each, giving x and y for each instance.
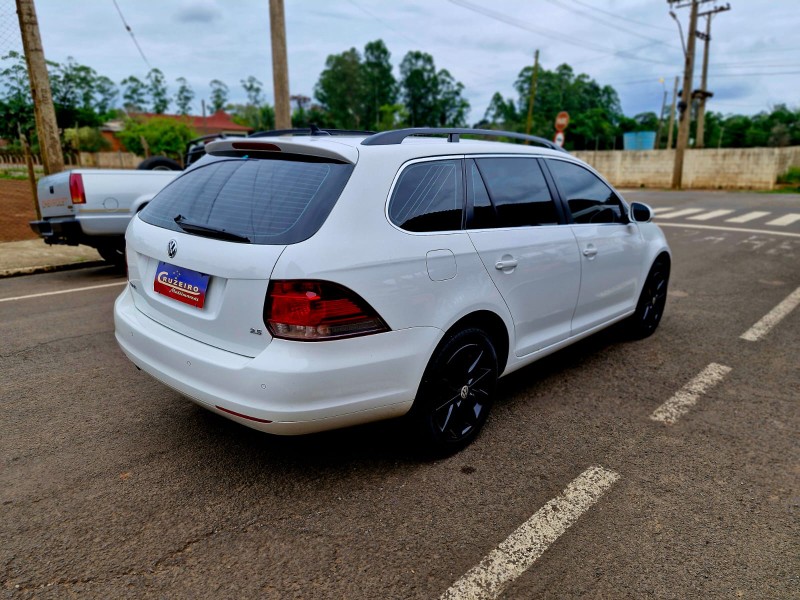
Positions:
(211, 232)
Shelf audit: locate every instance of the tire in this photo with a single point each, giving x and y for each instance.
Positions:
(652, 300)
(456, 393)
(159, 163)
(113, 253)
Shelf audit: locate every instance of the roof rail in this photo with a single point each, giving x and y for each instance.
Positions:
(313, 130)
(386, 138)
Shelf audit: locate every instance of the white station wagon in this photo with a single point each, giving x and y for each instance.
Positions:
(302, 282)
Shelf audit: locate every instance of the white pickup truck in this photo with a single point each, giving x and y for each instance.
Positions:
(93, 207)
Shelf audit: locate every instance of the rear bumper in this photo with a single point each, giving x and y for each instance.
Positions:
(290, 387)
(62, 230)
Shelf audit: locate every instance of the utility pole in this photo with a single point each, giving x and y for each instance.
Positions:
(44, 112)
(280, 65)
(685, 106)
(534, 77)
(703, 92)
(661, 117)
(672, 114)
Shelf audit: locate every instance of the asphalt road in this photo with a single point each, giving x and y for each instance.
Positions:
(111, 485)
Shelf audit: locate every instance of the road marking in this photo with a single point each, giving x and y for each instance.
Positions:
(662, 209)
(519, 551)
(680, 213)
(81, 289)
(711, 215)
(722, 228)
(751, 216)
(687, 396)
(785, 220)
(772, 318)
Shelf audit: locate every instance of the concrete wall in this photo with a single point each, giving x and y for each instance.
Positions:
(727, 168)
(88, 160)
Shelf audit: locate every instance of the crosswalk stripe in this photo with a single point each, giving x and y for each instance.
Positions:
(785, 220)
(681, 213)
(662, 209)
(711, 215)
(751, 216)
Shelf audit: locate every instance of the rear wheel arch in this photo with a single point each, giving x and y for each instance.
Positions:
(492, 325)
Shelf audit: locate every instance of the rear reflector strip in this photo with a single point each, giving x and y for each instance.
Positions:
(240, 415)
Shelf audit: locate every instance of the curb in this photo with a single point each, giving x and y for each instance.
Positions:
(17, 272)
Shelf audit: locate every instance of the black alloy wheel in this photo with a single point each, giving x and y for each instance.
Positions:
(651, 304)
(457, 392)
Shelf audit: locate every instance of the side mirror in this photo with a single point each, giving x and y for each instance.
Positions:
(641, 213)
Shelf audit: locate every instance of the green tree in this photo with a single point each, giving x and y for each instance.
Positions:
(340, 90)
(134, 94)
(184, 96)
(419, 88)
(85, 139)
(164, 136)
(451, 106)
(157, 90)
(379, 84)
(105, 93)
(219, 95)
(252, 87)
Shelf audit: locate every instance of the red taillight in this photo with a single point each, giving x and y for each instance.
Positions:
(317, 310)
(76, 191)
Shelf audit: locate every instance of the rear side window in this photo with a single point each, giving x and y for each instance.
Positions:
(518, 192)
(589, 199)
(267, 201)
(428, 197)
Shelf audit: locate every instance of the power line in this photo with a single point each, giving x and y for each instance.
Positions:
(384, 23)
(556, 35)
(133, 37)
(614, 26)
(620, 17)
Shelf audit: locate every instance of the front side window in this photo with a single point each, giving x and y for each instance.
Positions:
(590, 200)
(517, 193)
(428, 197)
(258, 200)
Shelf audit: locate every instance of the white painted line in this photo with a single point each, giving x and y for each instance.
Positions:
(772, 318)
(82, 289)
(722, 228)
(520, 550)
(687, 396)
(711, 215)
(785, 220)
(751, 216)
(680, 213)
(662, 209)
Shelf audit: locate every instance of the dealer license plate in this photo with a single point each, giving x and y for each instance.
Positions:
(183, 285)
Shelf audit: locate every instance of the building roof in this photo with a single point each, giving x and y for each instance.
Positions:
(218, 122)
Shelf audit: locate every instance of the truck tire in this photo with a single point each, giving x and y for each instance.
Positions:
(159, 163)
(113, 253)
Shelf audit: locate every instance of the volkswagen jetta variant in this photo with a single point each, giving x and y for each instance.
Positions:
(298, 283)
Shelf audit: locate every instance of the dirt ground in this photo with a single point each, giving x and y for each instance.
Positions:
(16, 209)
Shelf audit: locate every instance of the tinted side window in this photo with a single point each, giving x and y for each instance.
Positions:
(518, 192)
(428, 197)
(590, 200)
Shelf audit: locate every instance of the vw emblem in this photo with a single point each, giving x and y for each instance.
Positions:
(464, 392)
(172, 248)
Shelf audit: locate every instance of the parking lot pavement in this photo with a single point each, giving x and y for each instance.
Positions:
(112, 485)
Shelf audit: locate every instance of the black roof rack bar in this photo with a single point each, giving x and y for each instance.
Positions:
(386, 138)
(313, 130)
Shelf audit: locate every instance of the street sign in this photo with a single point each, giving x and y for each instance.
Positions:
(562, 120)
(559, 139)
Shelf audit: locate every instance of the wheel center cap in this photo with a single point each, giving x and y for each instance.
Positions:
(464, 392)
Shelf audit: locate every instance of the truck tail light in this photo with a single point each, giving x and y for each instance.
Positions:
(76, 190)
(318, 310)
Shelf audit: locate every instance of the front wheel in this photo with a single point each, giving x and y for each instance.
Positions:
(651, 304)
(456, 393)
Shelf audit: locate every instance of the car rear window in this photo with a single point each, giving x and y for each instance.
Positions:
(268, 201)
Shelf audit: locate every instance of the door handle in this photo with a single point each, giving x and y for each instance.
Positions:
(505, 264)
(590, 252)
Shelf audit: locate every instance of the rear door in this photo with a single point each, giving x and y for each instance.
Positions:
(517, 228)
(611, 247)
(200, 255)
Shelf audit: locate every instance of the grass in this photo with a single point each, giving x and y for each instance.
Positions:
(17, 173)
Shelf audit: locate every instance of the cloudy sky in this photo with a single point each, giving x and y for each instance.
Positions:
(630, 44)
